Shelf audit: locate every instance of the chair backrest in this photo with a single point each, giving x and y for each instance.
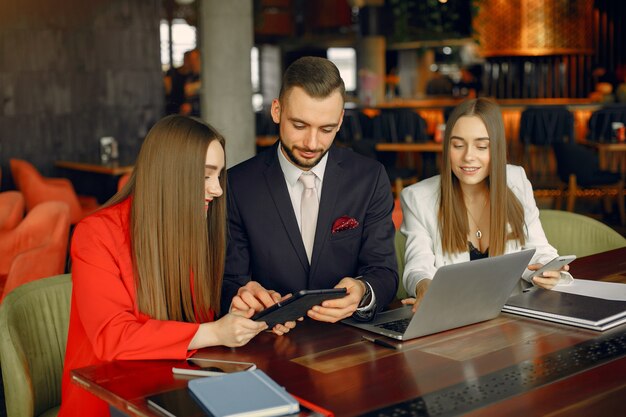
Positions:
(411, 126)
(575, 234)
(11, 210)
(600, 128)
(37, 247)
(34, 321)
(350, 130)
(23, 172)
(544, 125)
(400, 244)
(572, 158)
(38, 189)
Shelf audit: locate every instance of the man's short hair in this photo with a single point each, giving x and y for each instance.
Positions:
(318, 77)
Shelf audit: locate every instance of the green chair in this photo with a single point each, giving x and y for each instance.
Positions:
(400, 243)
(575, 234)
(34, 320)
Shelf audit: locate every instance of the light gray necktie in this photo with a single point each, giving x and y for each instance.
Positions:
(309, 207)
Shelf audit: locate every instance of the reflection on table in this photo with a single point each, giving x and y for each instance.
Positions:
(331, 365)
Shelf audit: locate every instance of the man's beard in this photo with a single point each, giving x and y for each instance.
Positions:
(306, 164)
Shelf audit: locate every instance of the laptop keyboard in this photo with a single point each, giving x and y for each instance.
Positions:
(398, 326)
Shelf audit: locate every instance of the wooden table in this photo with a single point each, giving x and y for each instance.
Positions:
(410, 147)
(332, 366)
(112, 168)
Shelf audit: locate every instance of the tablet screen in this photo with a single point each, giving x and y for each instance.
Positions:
(296, 306)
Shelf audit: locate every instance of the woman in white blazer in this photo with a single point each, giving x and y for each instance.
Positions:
(478, 207)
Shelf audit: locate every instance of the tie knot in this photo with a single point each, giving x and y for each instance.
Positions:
(307, 179)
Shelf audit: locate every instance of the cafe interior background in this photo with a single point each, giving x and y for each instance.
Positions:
(74, 71)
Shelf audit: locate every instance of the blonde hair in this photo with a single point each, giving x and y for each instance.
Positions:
(505, 207)
(172, 237)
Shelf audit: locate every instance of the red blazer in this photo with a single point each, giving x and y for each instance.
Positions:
(104, 321)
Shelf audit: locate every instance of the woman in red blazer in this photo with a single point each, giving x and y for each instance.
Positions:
(147, 268)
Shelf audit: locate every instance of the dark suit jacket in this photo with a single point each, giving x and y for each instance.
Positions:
(265, 244)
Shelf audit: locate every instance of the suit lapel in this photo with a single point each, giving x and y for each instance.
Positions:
(278, 190)
(330, 190)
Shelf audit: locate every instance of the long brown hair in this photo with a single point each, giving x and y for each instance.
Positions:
(171, 236)
(505, 207)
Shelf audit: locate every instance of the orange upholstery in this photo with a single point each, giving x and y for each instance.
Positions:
(36, 248)
(38, 189)
(11, 210)
(122, 181)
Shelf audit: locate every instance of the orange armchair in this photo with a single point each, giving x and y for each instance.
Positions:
(36, 248)
(38, 189)
(11, 210)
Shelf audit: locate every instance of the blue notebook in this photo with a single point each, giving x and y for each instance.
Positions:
(249, 393)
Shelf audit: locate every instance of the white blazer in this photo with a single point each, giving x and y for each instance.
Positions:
(424, 254)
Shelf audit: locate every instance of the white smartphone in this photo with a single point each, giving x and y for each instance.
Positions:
(555, 264)
(212, 367)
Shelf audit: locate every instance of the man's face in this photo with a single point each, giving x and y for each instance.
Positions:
(307, 125)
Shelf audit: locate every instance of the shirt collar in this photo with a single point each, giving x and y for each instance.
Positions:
(292, 172)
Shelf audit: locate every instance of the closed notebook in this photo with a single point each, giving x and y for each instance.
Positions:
(573, 309)
(249, 393)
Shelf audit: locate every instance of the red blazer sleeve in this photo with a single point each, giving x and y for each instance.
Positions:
(104, 292)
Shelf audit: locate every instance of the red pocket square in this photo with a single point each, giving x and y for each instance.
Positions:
(344, 223)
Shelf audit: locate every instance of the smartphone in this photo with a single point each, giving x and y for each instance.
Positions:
(212, 367)
(555, 264)
(296, 306)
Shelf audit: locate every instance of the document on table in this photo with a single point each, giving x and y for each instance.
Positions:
(598, 289)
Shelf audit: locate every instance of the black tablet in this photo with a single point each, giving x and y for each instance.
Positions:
(296, 306)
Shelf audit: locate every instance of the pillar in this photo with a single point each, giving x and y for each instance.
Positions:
(226, 39)
(371, 48)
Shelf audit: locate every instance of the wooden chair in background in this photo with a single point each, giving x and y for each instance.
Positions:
(578, 169)
(540, 127)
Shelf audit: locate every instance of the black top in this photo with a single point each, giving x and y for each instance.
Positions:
(476, 254)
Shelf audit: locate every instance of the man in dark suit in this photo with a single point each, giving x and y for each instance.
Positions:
(333, 229)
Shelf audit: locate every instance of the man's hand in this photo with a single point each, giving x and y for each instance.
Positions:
(332, 311)
(420, 290)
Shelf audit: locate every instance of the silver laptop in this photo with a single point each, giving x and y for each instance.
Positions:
(459, 295)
